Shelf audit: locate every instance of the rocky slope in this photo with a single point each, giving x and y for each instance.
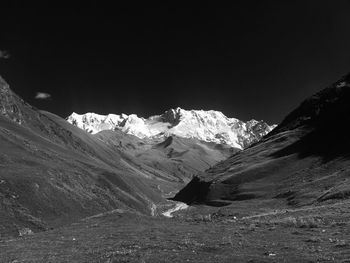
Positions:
(52, 173)
(210, 126)
(304, 160)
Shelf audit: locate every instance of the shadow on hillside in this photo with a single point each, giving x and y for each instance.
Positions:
(328, 143)
(329, 137)
(195, 191)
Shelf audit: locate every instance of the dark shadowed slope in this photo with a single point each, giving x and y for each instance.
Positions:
(304, 160)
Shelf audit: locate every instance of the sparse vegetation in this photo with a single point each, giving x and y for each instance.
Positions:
(196, 235)
(298, 222)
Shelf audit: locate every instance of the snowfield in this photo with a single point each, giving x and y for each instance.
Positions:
(210, 126)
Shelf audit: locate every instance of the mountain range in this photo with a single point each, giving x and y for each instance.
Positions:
(210, 126)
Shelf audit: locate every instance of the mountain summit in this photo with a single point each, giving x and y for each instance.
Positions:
(210, 126)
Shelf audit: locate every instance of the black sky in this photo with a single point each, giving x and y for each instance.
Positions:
(249, 59)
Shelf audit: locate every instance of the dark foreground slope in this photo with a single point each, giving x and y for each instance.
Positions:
(305, 160)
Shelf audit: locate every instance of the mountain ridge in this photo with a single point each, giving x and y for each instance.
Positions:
(209, 126)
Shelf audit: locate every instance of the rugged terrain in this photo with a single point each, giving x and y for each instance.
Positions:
(283, 199)
(176, 158)
(211, 126)
(53, 173)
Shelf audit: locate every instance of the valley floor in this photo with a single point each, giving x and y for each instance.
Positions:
(197, 234)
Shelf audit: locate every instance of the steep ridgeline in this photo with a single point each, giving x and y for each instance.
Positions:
(305, 160)
(209, 126)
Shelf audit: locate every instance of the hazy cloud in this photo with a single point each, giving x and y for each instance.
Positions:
(4, 54)
(42, 96)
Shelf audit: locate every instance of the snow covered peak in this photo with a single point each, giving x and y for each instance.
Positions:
(211, 126)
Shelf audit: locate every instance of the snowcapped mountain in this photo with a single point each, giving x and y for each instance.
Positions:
(210, 126)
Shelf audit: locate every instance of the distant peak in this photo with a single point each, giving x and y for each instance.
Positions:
(211, 126)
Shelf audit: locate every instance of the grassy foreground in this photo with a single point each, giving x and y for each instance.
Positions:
(198, 234)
